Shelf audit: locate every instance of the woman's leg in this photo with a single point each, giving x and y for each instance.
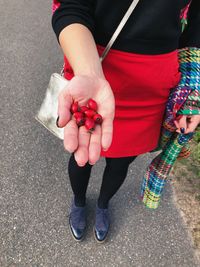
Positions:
(79, 178)
(114, 175)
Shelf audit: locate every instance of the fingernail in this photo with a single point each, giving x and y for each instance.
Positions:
(57, 122)
(182, 130)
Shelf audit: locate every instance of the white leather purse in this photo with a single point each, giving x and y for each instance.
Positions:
(47, 114)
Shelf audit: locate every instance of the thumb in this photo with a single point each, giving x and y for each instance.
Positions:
(107, 110)
(181, 124)
(107, 133)
(64, 104)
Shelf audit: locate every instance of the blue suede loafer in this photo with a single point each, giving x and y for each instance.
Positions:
(101, 224)
(77, 221)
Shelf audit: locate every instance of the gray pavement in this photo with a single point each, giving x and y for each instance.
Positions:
(35, 194)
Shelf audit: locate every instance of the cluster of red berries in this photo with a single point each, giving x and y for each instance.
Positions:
(86, 115)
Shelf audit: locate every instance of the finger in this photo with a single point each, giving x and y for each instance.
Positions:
(71, 136)
(64, 104)
(181, 124)
(192, 125)
(95, 145)
(81, 154)
(107, 133)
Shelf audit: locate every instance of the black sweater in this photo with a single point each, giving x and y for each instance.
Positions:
(154, 27)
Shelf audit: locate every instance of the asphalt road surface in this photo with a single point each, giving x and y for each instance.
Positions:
(35, 194)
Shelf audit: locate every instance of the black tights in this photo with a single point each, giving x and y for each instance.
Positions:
(114, 175)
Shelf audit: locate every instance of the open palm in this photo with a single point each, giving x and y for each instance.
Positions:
(86, 146)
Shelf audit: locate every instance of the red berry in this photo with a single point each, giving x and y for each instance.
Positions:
(90, 113)
(74, 107)
(83, 108)
(92, 104)
(98, 118)
(80, 121)
(89, 124)
(78, 115)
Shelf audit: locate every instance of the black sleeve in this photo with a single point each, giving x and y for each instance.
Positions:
(73, 11)
(191, 35)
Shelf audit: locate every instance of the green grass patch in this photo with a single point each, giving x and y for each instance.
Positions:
(189, 168)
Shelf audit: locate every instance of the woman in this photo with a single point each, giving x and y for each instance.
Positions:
(131, 88)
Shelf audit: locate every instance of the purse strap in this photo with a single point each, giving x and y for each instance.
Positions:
(119, 28)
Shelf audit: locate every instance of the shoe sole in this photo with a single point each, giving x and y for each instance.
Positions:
(99, 241)
(71, 231)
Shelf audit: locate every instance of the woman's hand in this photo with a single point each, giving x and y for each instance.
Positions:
(188, 122)
(86, 146)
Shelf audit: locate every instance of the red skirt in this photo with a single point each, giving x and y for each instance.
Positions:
(141, 85)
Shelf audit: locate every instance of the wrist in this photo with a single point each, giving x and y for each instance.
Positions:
(89, 70)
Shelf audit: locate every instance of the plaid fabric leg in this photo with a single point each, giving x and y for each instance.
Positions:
(157, 172)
